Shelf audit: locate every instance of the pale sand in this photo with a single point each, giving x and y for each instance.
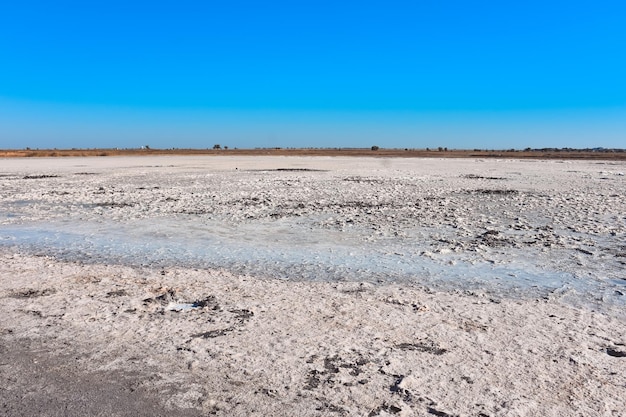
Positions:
(257, 345)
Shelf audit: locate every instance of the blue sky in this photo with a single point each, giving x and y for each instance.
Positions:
(312, 74)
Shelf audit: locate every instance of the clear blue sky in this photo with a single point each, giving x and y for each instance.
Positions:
(472, 74)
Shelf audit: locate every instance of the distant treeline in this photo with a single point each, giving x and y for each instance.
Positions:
(575, 150)
(373, 151)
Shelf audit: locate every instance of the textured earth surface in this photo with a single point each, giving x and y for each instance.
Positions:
(312, 286)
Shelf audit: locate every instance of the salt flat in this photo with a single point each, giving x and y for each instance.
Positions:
(314, 285)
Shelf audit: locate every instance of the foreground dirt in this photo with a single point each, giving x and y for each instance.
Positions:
(108, 340)
(42, 380)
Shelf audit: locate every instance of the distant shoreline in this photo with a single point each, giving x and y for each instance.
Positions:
(550, 153)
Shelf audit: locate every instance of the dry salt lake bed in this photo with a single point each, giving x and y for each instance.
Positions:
(313, 286)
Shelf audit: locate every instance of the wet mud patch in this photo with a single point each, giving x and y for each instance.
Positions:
(438, 413)
(488, 191)
(39, 177)
(252, 201)
(386, 408)
(328, 407)
(427, 346)
(337, 370)
(287, 170)
(584, 251)
(113, 205)
(213, 333)
(208, 302)
(242, 315)
(170, 299)
(364, 180)
(198, 212)
(493, 239)
(300, 170)
(117, 293)
(361, 205)
(32, 293)
(481, 177)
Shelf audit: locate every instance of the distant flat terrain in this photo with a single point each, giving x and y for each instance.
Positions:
(360, 152)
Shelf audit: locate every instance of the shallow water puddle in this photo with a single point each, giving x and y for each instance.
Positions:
(294, 250)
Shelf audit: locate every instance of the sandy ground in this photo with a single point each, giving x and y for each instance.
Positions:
(84, 333)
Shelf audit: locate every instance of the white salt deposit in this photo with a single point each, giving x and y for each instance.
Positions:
(325, 286)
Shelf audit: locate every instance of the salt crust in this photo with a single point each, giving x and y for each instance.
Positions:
(252, 345)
